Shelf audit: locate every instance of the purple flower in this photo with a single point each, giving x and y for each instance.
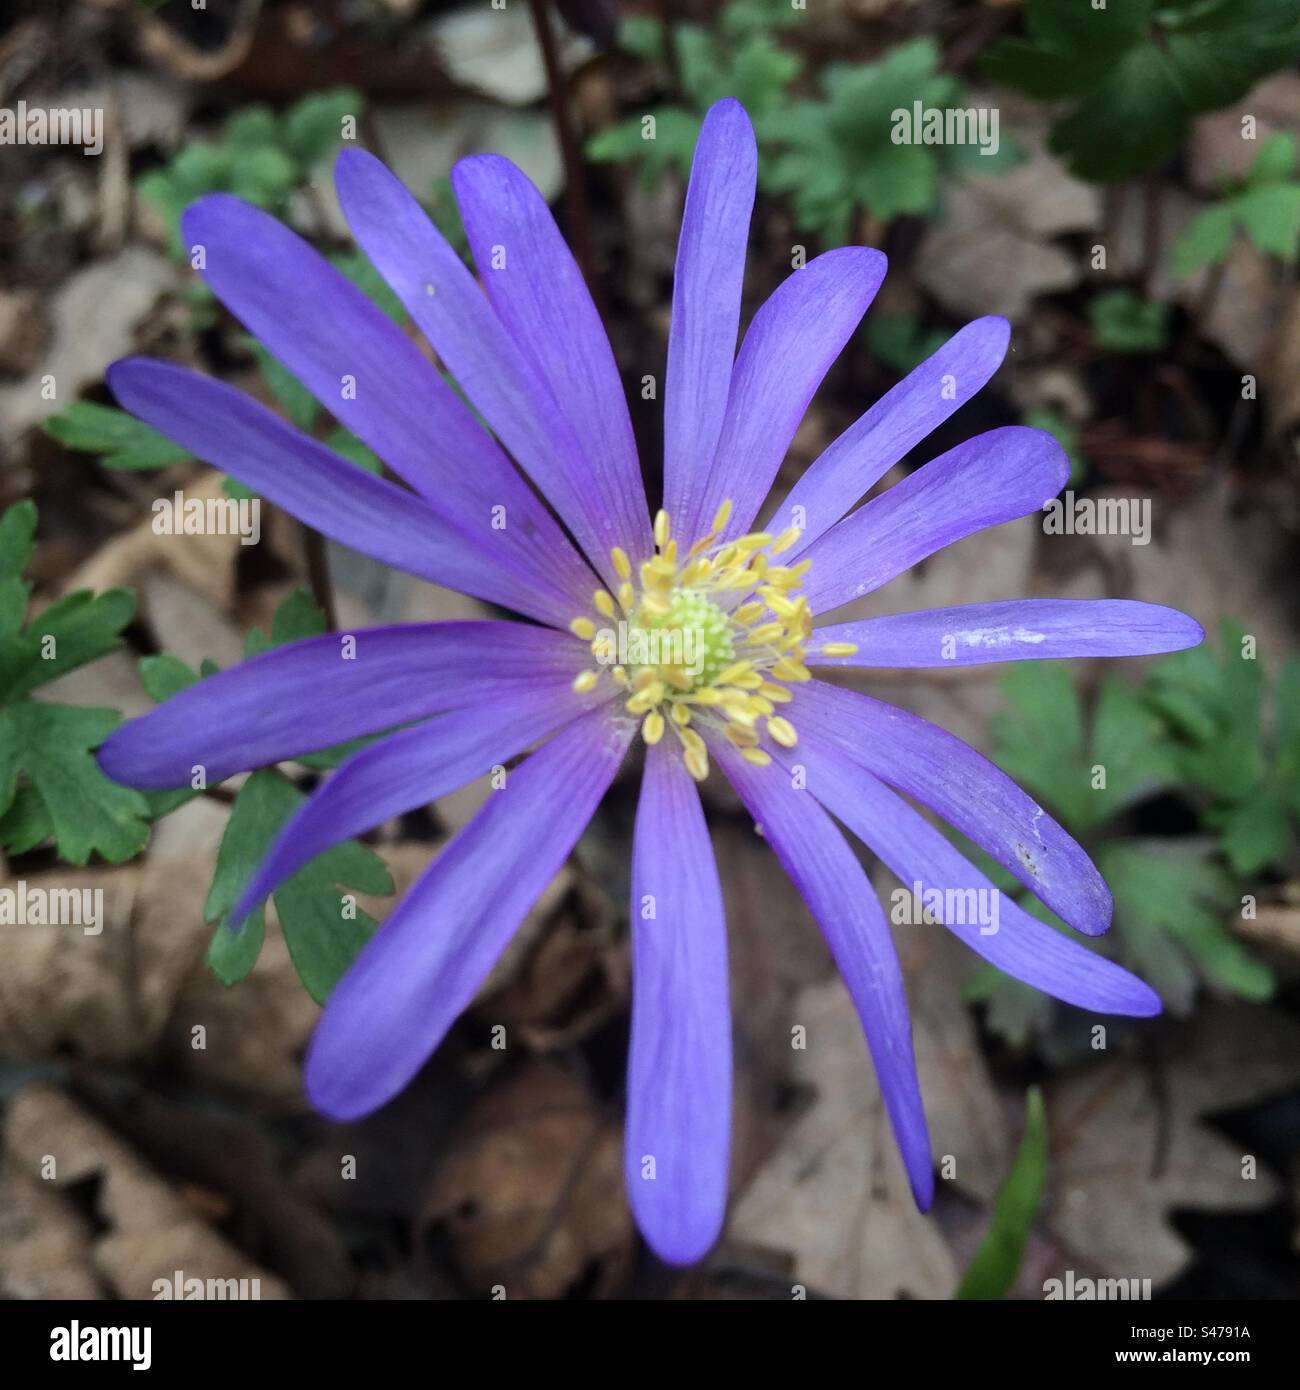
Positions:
(695, 632)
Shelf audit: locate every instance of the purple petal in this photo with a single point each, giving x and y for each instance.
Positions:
(832, 882)
(540, 296)
(490, 366)
(322, 691)
(847, 470)
(325, 331)
(679, 1066)
(408, 769)
(707, 286)
(974, 634)
(992, 478)
(424, 965)
(963, 787)
(915, 852)
(787, 350)
(233, 432)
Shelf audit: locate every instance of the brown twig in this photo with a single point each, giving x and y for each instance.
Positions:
(575, 188)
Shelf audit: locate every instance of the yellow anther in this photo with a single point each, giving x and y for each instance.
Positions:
(751, 681)
(670, 552)
(643, 679)
(741, 735)
(697, 762)
(756, 756)
(656, 605)
(604, 604)
(602, 648)
(785, 540)
(760, 705)
(585, 681)
(626, 596)
(690, 739)
(620, 676)
(755, 540)
(778, 603)
(662, 528)
(788, 669)
(721, 517)
(765, 633)
(725, 556)
(747, 612)
(653, 728)
(758, 565)
(584, 628)
(778, 694)
(677, 678)
(681, 714)
(707, 695)
(737, 668)
(694, 572)
(782, 731)
(622, 565)
(840, 649)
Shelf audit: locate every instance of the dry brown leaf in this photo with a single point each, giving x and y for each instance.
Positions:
(834, 1194)
(1124, 1155)
(148, 1232)
(531, 1189)
(45, 1243)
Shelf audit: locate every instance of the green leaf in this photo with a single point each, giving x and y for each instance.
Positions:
(346, 443)
(17, 539)
(71, 632)
(1271, 218)
(124, 441)
(1040, 739)
(51, 744)
(1275, 161)
(313, 126)
(1171, 907)
(1204, 241)
(1137, 72)
(357, 266)
(1122, 322)
(992, 1272)
(322, 926)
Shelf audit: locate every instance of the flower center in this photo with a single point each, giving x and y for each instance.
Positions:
(713, 640)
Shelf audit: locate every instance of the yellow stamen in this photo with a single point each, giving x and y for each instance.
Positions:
(782, 731)
(585, 681)
(756, 756)
(653, 728)
(622, 565)
(840, 649)
(662, 529)
(604, 604)
(584, 628)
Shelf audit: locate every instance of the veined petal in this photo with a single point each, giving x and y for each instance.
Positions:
(974, 634)
(490, 365)
(539, 295)
(329, 334)
(832, 882)
(233, 432)
(963, 787)
(679, 1066)
(707, 286)
(408, 769)
(847, 469)
(996, 476)
(321, 691)
(787, 350)
(424, 965)
(916, 853)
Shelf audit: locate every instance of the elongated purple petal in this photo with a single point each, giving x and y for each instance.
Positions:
(325, 690)
(916, 853)
(963, 787)
(423, 966)
(974, 634)
(493, 369)
(408, 769)
(679, 1068)
(992, 478)
(374, 379)
(233, 432)
(832, 882)
(846, 470)
(787, 350)
(540, 296)
(707, 286)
